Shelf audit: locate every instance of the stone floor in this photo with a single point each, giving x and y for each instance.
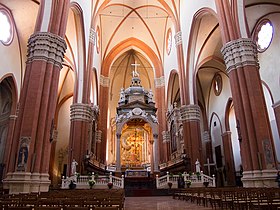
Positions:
(159, 203)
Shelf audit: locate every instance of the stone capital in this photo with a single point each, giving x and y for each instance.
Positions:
(47, 47)
(166, 136)
(226, 133)
(104, 81)
(206, 136)
(81, 112)
(92, 36)
(190, 113)
(239, 53)
(95, 112)
(98, 136)
(160, 82)
(178, 38)
(13, 117)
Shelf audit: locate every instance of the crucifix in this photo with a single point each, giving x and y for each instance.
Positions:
(208, 164)
(135, 73)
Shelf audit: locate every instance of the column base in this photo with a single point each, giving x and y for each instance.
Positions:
(26, 182)
(260, 178)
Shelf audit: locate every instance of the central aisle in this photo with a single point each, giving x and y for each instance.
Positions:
(159, 203)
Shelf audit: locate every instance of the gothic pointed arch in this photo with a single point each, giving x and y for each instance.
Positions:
(8, 104)
(173, 89)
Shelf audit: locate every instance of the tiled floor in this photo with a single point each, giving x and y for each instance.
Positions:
(158, 203)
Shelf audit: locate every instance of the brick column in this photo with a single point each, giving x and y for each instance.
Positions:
(229, 160)
(98, 140)
(159, 96)
(256, 143)
(102, 123)
(190, 116)
(29, 162)
(81, 116)
(166, 143)
(181, 69)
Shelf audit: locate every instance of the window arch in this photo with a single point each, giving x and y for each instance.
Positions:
(6, 32)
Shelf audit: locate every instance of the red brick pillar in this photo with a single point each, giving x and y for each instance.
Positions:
(30, 153)
(29, 162)
(190, 116)
(81, 118)
(256, 143)
(229, 161)
(102, 124)
(159, 99)
(166, 144)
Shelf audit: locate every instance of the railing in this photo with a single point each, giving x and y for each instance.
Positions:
(195, 180)
(82, 182)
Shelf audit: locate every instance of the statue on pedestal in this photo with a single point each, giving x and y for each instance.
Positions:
(197, 166)
(74, 167)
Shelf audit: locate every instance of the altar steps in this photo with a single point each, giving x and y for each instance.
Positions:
(147, 192)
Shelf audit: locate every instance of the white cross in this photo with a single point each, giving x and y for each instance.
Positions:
(135, 73)
(209, 165)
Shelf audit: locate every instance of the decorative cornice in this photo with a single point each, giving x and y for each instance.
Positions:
(104, 81)
(81, 112)
(239, 53)
(178, 38)
(98, 136)
(190, 113)
(47, 47)
(166, 136)
(160, 82)
(92, 36)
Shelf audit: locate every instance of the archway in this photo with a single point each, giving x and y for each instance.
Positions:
(7, 106)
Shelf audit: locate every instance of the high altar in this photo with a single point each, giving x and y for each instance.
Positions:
(136, 131)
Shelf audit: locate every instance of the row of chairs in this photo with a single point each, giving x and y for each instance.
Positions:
(66, 199)
(232, 198)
